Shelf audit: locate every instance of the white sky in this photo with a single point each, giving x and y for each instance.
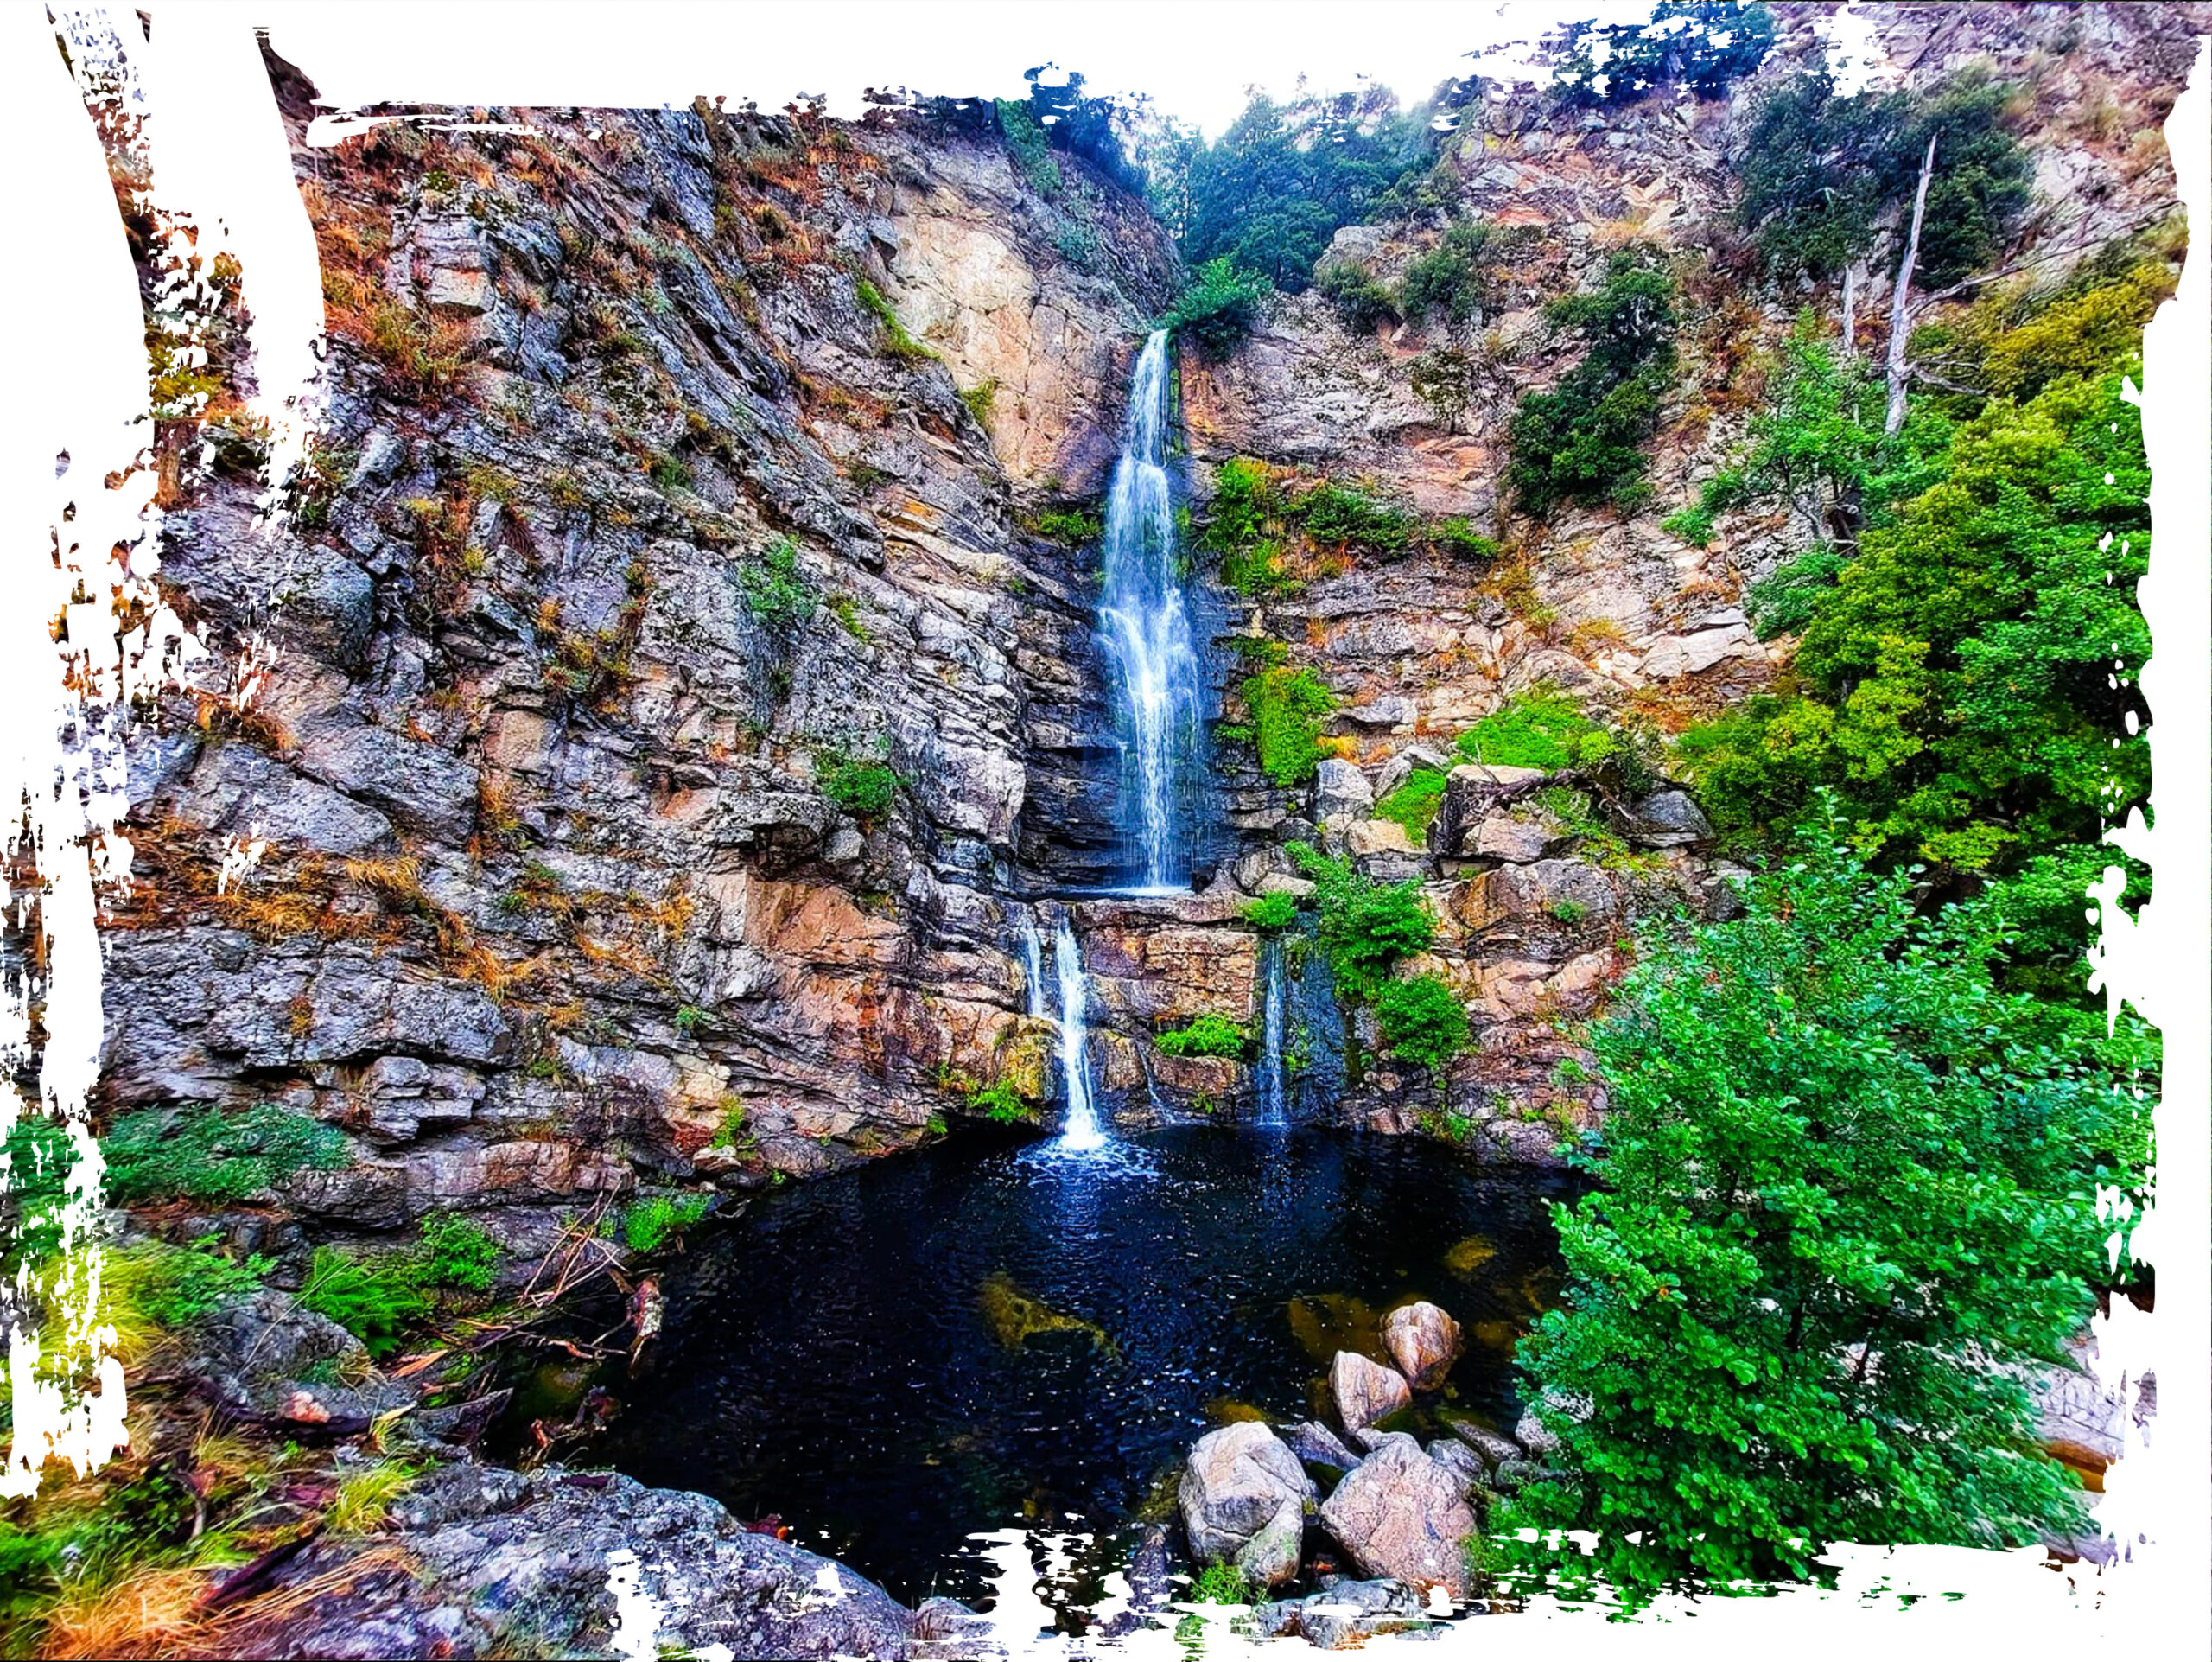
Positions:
(1195, 57)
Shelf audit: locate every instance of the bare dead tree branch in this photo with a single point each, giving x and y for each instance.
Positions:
(1900, 297)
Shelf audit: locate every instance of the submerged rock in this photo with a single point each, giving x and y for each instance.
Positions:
(1015, 1317)
(1244, 1499)
(1424, 1341)
(1365, 1392)
(1316, 1445)
(1401, 1514)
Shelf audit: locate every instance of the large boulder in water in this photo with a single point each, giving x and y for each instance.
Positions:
(1365, 1392)
(1403, 1515)
(1423, 1341)
(1243, 1499)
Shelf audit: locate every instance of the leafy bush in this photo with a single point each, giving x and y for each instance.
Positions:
(1542, 728)
(775, 591)
(862, 788)
(1288, 705)
(651, 1224)
(1360, 300)
(1415, 803)
(40, 1157)
(1207, 1036)
(213, 1156)
(1366, 927)
(1219, 308)
(669, 473)
(1846, 1187)
(1581, 442)
(1276, 911)
(1422, 1021)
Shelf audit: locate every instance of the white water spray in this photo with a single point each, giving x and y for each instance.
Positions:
(1081, 1129)
(1033, 965)
(1274, 1108)
(1146, 632)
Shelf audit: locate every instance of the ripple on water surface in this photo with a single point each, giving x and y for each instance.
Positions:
(950, 1342)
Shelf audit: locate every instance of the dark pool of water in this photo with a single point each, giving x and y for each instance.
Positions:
(862, 1357)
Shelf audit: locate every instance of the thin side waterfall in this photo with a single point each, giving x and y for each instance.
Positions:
(1146, 632)
(1274, 1106)
(1033, 963)
(1081, 1129)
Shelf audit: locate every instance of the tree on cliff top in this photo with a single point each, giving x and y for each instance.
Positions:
(1848, 1187)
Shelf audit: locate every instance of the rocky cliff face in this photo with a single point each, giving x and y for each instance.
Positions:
(1605, 604)
(680, 466)
(649, 502)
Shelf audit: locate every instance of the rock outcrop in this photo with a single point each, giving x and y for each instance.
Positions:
(1243, 1498)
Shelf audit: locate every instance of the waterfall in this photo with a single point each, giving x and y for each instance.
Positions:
(1274, 1109)
(1033, 963)
(1081, 1130)
(1146, 632)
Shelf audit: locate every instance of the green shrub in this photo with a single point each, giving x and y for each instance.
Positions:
(897, 343)
(1001, 1103)
(213, 1156)
(1457, 536)
(1220, 1583)
(775, 591)
(1244, 498)
(1077, 527)
(669, 473)
(174, 1286)
(1219, 308)
(1568, 911)
(651, 1224)
(733, 1133)
(1693, 524)
(1422, 1021)
(374, 1298)
(1030, 146)
(1276, 911)
(1415, 803)
(1207, 1036)
(1361, 301)
(1541, 727)
(1366, 927)
(1287, 706)
(1330, 513)
(40, 1157)
(1582, 442)
(862, 788)
(1452, 276)
(979, 399)
(457, 1253)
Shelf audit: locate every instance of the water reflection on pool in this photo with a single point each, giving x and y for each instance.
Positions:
(956, 1341)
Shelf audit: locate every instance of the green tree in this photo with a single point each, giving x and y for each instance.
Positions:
(1270, 192)
(1422, 1021)
(1582, 442)
(1965, 684)
(1847, 1186)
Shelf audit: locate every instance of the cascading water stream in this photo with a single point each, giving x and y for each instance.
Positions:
(1274, 1108)
(1080, 1130)
(1033, 963)
(1146, 632)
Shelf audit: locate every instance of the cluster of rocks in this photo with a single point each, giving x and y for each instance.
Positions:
(1275, 1502)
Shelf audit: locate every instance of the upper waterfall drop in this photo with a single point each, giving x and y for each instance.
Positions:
(1146, 631)
(1274, 1096)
